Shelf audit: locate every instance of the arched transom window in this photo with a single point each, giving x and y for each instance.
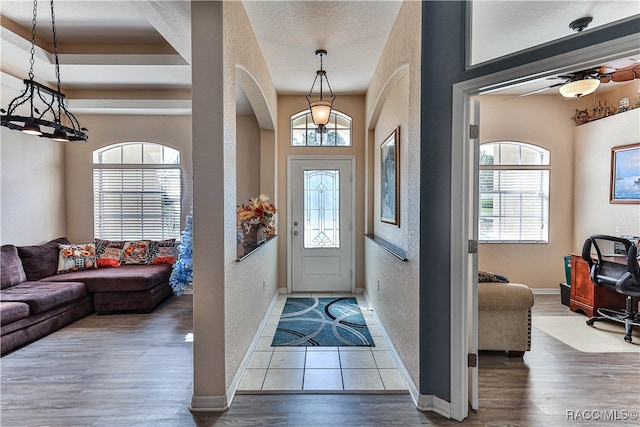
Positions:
(136, 191)
(337, 133)
(514, 193)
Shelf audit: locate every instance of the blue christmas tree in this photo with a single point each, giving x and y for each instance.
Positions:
(182, 274)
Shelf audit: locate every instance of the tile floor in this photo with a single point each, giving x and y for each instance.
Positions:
(328, 369)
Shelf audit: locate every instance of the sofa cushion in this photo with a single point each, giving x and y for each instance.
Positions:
(76, 258)
(43, 296)
(41, 261)
(12, 311)
(124, 279)
(11, 272)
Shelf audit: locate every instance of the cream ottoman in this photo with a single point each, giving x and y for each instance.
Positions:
(504, 317)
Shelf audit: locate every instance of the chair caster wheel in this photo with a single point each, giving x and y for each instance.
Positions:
(590, 322)
(627, 338)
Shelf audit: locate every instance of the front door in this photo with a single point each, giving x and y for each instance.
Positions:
(321, 224)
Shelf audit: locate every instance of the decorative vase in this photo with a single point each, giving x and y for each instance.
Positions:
(254, 236)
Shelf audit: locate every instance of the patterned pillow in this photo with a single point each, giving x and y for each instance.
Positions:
(162, 252)
(109, 252)
(76, 257)
(489, 277)
(135, 252)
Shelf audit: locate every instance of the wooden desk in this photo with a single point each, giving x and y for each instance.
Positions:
(587, 297)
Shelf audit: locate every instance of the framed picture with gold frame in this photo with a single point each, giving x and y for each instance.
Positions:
(390, 178)
(625, 174)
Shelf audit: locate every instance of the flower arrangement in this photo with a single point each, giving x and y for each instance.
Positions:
(256, 217)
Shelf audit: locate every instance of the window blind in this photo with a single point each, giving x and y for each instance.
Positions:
(136, 203)
(514, 205)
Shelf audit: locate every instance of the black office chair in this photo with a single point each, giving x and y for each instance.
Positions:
(622, 278)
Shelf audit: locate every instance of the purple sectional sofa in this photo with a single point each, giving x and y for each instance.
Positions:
(35, 301)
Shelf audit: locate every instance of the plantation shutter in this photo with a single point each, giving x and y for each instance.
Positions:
(137, 203)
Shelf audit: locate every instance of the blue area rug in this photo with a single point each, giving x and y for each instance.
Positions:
(322, 322)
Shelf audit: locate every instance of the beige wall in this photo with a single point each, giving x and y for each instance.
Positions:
(580, 166)
(545, 121)
(174, 131)
(247, 158)
(393, 99)
(32, 193)
(230, 297)
(352, 106)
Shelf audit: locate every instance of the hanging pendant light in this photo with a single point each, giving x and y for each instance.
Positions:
(39, 106)
(321, 107)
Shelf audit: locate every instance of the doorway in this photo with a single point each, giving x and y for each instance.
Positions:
(321, 212)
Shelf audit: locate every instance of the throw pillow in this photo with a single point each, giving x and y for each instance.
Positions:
(76, 258)
(109, 252)
(488, 277)
(135, 252)
(162, 252)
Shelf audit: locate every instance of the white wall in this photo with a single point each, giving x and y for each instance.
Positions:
(393, 99)
(592, 150)
(32, 194)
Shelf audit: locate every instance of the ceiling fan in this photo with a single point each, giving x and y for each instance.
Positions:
(584, 82)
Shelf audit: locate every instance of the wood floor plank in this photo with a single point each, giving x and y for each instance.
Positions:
(136, 370)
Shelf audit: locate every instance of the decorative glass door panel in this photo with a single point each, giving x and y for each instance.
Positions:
(320, 228)
(321, 209)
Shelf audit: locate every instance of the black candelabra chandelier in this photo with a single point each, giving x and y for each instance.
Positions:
(40, 110)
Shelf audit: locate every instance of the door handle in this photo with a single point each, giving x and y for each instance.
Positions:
(295, 233)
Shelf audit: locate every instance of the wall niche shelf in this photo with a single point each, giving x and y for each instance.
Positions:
(399, 253)
(244, 251)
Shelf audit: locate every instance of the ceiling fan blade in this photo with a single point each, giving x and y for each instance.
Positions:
(623, 75)
(533, 92)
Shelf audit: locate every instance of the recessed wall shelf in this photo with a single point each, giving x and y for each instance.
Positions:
(399, 253)
(245, 250)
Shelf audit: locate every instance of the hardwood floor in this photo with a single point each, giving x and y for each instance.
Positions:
(136, 370)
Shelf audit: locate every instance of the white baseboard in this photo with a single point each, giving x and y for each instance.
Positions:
(546, 291)
(413, 389)
(235, 382)
(209, 403)
(429, 402)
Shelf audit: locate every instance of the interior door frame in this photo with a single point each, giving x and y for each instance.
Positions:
(461, 168)
(352, 219)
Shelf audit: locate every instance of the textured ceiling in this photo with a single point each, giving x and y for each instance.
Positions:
(144, 47)
(353, 33)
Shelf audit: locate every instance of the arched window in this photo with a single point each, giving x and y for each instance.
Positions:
(136, 191)
(337, 133)
(514, 193)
